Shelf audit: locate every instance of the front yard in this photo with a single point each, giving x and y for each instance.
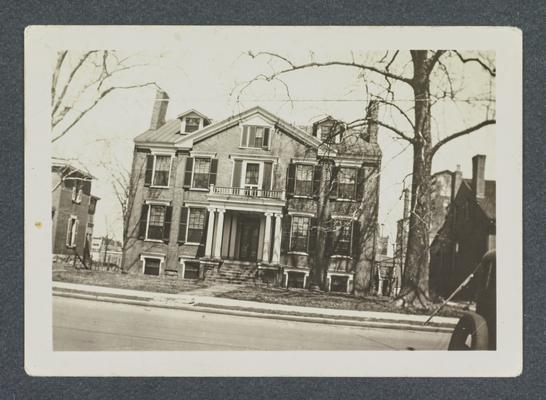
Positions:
(340, 301)
(127, 281)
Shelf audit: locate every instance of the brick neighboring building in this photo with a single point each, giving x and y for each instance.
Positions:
(236, 200)
(467, 232)
(73, 210)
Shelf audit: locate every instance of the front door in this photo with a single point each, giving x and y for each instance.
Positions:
(249, 228)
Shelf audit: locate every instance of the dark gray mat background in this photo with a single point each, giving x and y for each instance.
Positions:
(16, 15)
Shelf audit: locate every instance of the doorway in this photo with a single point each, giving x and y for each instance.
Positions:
(249, 228)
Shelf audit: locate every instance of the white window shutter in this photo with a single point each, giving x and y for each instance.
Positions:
(69, 232)
(75, 232)
(79, 196)
(74, 193)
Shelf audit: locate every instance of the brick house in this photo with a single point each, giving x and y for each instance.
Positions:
(72, 214)
(468, 230)
(236, 200)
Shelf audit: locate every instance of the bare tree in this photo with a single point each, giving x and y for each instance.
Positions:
(82, 80)
(430, 81)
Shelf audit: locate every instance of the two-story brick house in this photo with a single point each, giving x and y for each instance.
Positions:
(237, 199)
(73, 210)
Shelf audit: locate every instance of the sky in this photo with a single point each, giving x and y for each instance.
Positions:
(206, 70)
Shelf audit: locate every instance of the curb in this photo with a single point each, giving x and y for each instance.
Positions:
(257, 313)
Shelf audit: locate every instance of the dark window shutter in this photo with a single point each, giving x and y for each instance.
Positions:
(149, 170)
(237, 169)
(333, 182)
(143, 221)
(360, 182)
(266, 139)
(313, 230)
(329, 244)
(317, 174)
(252, 137)
(167, 224)
(187, 173)
(213, 171)
(203, 240)
(285, 238)
(355, 242)
(244, 136)
(291, 179)
(182, 224)
(266, 183)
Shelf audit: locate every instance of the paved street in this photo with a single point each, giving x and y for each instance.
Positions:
(91, 325)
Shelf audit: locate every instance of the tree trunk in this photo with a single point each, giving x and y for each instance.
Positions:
(416, 273)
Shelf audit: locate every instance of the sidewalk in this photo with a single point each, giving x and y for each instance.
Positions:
(199, 303)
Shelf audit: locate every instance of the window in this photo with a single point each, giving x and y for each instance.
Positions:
(72, 231)
(299, 234)
(339, 283)
(196, 224)
(77, 189)
(162, 170)
(343, 237)
(252, 175)
(158, 170)
(304, 180)
(295, 279)
(192, 124)
(156, 222)
(347, 183)
(255, 136)
(151, 266)
(191, 270)
(201, 171)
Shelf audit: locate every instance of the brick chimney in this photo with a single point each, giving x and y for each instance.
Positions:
(160, 109)
(372, 116)
(456, 180)
(478, 179)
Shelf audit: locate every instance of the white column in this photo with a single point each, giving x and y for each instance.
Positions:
(210, 229)
(267, 238)
(277, 241)
(219, 231)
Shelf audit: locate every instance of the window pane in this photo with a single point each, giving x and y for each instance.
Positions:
(191, 270)
(252, 174)
(201, 170)
(196, 224)
(300, 231)
(155, 223)
(347, 183)
(304, 179)
(342, 245)
(162, 170)
(151, 266)
(255, 135)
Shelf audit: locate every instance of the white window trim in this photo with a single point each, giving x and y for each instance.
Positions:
(200, 155)
(245, 145)
(349, 275)
(287, 270)
(291, 231)
(161, 259)
(188, 225)
(242, 184)
(182, 261)
(303, 196)
(74, 233)
(170, 170)
(155, 203)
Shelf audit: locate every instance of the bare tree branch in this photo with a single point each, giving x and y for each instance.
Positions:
(69, 81)
(491, 70)
(56, 72)
(295, 67)
(363, 122)
(455, 135)
(97, 100)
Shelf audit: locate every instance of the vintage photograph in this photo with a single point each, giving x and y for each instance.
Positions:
(240, 192)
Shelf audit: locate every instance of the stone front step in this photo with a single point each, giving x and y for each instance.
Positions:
(233, 272)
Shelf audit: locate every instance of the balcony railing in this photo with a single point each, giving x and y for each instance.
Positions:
(248, 192)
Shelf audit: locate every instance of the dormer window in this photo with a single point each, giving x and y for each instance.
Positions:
(192, 124)
(255, 137)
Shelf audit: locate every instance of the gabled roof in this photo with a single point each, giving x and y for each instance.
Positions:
(488, 204)
(208, 131)
(165, 134)
(193, 111)
(66, 168)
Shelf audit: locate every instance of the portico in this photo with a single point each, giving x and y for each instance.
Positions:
(246, 229)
